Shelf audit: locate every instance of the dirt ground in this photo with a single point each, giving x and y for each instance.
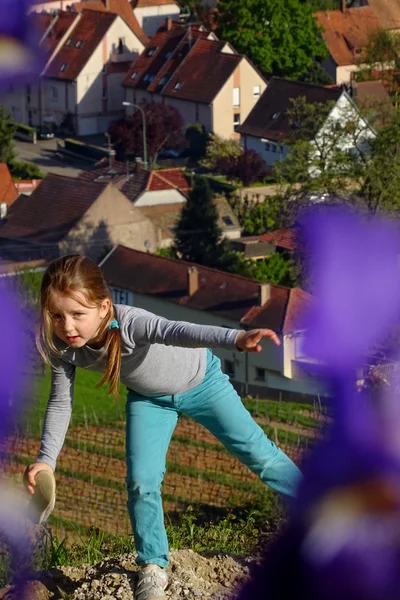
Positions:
(192, 577)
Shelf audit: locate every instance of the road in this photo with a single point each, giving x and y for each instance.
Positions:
(43, 154)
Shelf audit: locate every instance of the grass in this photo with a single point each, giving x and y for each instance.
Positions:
(237, 534)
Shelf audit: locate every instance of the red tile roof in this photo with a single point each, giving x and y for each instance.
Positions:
(89, 29)
(345, 32)
(61, 23)
(179, 65)
(138, 180)
(167, 179)
(8, 191)
(220, 293)
(120, 7)
(283, 238)
(268, 119)
(51, 211)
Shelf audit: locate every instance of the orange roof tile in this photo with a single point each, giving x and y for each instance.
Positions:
(8, 191)
(119, 7)
(284, 238)
(89, 30)
(346, 32)
(167, 179)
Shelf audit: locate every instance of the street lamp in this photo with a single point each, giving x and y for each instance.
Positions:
(144, 130)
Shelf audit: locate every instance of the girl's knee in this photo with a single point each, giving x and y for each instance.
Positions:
(140, 482)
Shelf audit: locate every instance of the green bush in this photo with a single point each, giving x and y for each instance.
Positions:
(24, 128)
(23, 170)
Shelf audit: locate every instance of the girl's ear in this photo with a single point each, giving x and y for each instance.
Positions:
(104, 308)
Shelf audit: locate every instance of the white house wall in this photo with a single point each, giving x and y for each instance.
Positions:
(150, 18)
(160, 197)
(254, 143)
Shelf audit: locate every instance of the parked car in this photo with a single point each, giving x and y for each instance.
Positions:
(44, 133)
(171, 154)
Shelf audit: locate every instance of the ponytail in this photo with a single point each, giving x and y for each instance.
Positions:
(112, 347)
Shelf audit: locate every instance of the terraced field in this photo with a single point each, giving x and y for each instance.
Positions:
(200, 472)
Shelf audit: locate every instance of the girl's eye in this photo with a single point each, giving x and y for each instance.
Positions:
(56, 317)
(78, 314)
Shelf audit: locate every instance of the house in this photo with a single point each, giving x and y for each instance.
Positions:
(151, 14)
(346, 33)
(372, 96)
(65, 214)
(204, 78)
(79, 89)
(159, 194)
(268, 126)
(178, 290)
(8, 191)
(257, 247)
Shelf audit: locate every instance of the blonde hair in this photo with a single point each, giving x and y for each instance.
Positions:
(70, 275)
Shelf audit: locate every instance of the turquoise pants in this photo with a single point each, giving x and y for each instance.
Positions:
(150, 423)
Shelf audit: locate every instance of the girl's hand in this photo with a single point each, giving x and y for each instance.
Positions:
(30, 473)
(249, 340)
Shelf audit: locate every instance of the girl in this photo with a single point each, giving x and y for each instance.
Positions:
(168, 370)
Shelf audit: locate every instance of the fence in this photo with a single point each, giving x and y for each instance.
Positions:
(200, 472)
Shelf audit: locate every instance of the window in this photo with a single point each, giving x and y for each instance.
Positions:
(134, 75)
(69, 42)
(163, 80)
(260, 374)
(54, 93)
(178, 86)
(236, 96)
(273, 148)
(120, 46)
(104, 93)
(151, 51)
(276, 116)
(236, 120)
(79, 44)
(229, 368)
(267, 147)
(228, 221)
(168, 55)
(256, 91)
(63, 67)
(146, 77)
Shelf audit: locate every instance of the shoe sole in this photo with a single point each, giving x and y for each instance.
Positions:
(43, 500)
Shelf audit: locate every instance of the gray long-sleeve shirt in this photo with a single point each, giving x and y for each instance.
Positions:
(148, 366)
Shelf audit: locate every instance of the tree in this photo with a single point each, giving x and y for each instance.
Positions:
(316, 74)
(7, 130)
(280, 36)
(219, 148)
(197, 137)
(164, 130)
(197, 235)
(19, 170)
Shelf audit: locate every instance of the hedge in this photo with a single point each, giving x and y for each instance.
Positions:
(84, 149)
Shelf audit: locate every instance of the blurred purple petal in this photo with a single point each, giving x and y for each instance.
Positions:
(21, 59)
(354, 263)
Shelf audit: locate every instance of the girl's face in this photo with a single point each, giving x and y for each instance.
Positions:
(75, 323)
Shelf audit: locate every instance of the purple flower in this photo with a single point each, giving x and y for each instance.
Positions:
(343, 537)
(13, 357)
(21, 59)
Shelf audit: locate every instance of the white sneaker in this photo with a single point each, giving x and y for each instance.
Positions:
(151, 583)
(43, 500)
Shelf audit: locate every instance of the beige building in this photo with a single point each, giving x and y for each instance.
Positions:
(159, 196)
(65, 215)
(89, 53)
(181, 291)
(205, 79)
(151, 14)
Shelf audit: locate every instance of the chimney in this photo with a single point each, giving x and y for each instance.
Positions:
(169, 23)
(344, 6)
(3, 210)
(107, 5)
(193, 274)
(264, 293)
